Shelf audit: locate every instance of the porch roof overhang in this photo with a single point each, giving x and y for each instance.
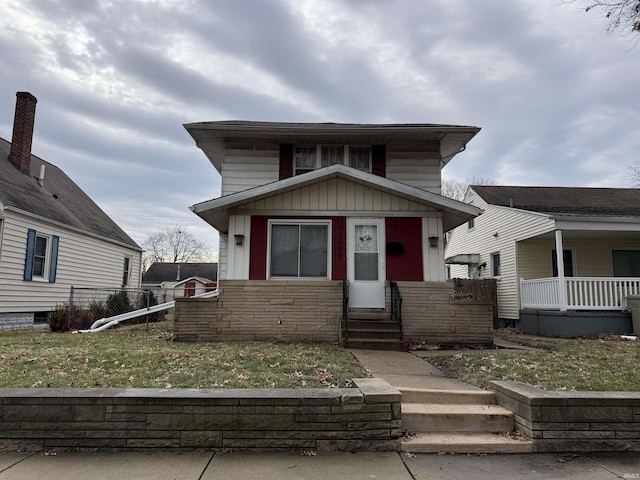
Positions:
(463, 259)
(210, 136)
(591, 227)
(216, 211)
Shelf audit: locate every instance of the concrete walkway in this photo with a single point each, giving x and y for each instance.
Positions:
(280, 466)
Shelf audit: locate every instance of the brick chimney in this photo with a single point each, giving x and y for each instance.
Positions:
(20, 153)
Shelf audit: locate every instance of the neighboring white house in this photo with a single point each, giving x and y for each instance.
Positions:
(308, 206)
(517, 239)
(52, 235)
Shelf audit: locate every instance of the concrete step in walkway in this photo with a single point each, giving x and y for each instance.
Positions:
(444, 414)
(458, 421)
(436, 442)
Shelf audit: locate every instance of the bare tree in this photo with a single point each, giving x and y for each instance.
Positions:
(622, 16)
(457, 189)
(633, 173)
(174, 245)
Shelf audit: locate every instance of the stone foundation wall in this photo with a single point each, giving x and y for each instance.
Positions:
(16, 321)
(431, 313)
(263, 310)
(560, 421)
(349, 419)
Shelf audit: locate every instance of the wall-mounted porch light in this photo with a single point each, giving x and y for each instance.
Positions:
(239, 239)
(433, 242)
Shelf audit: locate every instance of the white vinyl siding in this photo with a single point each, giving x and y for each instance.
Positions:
(237, 261)
(337, 194)
(415, 164)
(83, 261)
(249, 164)
(510, 225)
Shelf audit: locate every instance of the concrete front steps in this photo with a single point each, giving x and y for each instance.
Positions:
(457, 421)
(372, 329)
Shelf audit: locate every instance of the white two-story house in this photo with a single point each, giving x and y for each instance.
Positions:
(324, 227)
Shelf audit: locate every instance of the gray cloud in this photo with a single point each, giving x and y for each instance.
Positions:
(116, 80)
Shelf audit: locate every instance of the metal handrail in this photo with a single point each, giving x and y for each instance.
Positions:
(345, 307)
(396, 306)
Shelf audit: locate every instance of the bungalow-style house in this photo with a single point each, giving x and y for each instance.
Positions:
(518, 240)
(52, 235)
(171, 280)
(323, 226)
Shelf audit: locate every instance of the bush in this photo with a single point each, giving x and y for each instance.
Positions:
(118, 303)
(98, 309)
(58, 318)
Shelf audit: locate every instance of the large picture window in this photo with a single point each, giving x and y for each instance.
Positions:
(626, 263)
(299, 250)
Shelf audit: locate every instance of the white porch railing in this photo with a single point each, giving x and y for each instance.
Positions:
(583, 293)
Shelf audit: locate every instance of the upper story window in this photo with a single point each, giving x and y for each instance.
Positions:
(308, 158)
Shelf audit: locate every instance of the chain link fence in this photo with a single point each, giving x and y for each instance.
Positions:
(86, 305)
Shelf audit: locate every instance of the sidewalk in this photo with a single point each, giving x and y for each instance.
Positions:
(281, 466)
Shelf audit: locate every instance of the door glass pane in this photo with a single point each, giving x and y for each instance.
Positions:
(365, 260)
(313, 250)
(366, 238)
(284, 250)
(366, 266)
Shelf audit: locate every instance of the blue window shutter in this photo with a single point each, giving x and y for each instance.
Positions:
(31, 248)
(55, 241)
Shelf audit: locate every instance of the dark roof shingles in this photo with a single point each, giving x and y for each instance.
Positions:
(168, 272)
(571, 201)
(59, 200)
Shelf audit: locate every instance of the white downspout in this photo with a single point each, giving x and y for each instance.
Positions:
(562, 287)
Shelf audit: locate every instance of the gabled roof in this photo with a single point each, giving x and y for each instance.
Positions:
(171, 272)
(216, 212)
(59, 200)
(209, 136)
(565, 201)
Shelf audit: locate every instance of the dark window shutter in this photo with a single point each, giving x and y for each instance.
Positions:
(379, 160)
(31, 248)
(53, 264)
(286, 161)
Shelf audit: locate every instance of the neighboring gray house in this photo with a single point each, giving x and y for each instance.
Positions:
(52, 235)
(517, 239)
(173, 280)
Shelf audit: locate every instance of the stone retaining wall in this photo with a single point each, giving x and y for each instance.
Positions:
(560, 421)
(431, 313)
(273, 310)
(351, 419)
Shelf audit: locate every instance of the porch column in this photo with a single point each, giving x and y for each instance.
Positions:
(562, 288)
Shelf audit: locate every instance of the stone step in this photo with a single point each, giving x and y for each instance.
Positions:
(421, 417)
(436, 442)
(356, 334)
(369, 315)
(371, 324)
(457, 397)
(376, 344)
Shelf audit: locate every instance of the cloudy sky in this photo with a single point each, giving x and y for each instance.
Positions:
(556, 98)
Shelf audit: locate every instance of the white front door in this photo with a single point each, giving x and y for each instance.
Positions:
(366, 262)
